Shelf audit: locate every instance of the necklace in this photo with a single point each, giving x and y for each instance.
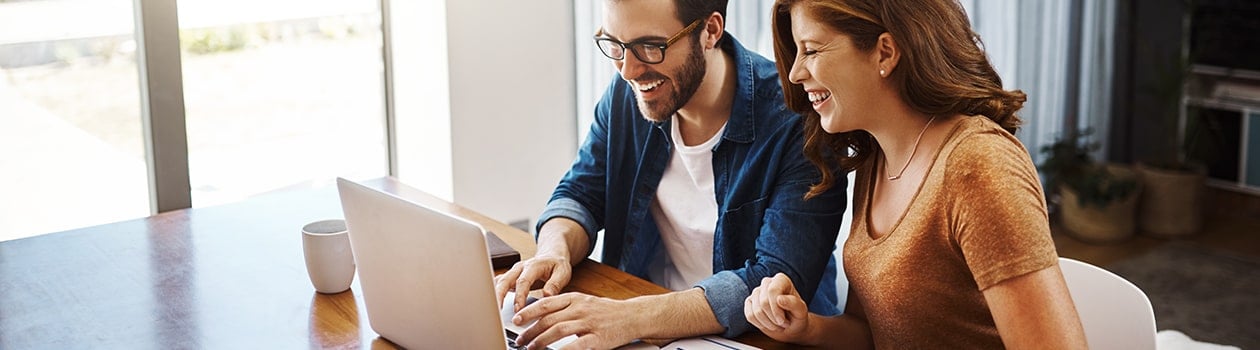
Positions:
(912, 151)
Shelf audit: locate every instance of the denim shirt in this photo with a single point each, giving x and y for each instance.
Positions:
(760, 175)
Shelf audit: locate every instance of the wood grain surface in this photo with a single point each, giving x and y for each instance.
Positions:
(222, 277)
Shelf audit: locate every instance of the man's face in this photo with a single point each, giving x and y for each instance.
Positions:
(663, 88)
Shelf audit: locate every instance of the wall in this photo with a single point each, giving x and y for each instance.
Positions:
(421, 97)
(512, 103)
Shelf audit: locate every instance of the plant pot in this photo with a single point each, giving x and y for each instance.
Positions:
(1114, 222)
(1172, 201)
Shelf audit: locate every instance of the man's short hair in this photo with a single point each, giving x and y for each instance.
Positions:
(691, 10)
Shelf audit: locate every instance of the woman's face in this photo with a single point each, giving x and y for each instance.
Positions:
(840, 80)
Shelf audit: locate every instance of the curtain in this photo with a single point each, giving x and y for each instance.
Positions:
(594, 71)
(749, 22)
(1030, 44)
(1098, 37)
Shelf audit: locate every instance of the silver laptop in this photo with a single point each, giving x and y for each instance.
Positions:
(425, 275)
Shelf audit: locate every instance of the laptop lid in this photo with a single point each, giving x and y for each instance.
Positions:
(425, 275)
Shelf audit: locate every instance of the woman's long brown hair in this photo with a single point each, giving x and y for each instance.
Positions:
(943, 70)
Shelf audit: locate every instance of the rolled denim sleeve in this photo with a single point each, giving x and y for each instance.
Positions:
(725, 292)
(571, 209)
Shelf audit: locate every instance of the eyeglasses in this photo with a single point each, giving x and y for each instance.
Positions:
(648, 52)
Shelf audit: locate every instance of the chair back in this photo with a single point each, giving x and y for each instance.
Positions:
(1114, 312)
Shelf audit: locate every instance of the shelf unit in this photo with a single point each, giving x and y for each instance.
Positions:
(1226, 104)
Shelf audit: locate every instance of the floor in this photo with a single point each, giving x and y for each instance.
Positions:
(1231, 226)
(1231, 223)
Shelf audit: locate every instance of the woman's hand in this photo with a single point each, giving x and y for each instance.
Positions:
(777, 310)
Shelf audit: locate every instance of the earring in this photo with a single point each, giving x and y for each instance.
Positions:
(881, 73)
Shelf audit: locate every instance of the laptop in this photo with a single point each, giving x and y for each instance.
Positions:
(425, 275)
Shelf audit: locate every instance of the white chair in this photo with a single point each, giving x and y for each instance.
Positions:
(1115, 313)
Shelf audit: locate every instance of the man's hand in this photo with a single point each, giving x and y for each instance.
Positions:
(554, 270)
(778, 310)
(599, 323)
(553, 263)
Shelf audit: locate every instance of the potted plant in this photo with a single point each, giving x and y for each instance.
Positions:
(1097, 202)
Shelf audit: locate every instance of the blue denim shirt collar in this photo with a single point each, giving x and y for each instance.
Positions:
(741, 127)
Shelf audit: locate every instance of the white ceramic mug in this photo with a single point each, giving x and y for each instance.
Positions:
(329, 260)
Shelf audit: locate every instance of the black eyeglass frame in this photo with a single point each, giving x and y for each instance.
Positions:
(637, 45)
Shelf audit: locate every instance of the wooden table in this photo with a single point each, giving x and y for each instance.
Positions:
(223, 277)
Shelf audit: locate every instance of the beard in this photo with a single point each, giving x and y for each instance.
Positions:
(686, 82)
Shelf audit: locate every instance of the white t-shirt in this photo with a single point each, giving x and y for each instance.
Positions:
(685, 210)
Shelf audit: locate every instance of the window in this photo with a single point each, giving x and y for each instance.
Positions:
(71, 150)
(276, 93)
(218, 101)
(280, 93)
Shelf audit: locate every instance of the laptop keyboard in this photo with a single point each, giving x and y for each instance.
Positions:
(511, 340)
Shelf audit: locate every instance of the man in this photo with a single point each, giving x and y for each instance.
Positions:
(694, 169)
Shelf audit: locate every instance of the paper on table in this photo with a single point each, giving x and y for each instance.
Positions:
(708, 343)
(698, 343)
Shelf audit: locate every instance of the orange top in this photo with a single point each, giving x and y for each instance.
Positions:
(978, 219)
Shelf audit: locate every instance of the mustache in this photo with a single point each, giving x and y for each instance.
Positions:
(649, 76)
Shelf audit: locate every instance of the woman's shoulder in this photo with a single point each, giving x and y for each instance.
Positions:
(978, 144)
(978, 128)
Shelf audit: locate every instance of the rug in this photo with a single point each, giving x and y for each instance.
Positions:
(1210, 295)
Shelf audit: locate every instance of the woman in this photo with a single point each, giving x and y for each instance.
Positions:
(950, 246)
